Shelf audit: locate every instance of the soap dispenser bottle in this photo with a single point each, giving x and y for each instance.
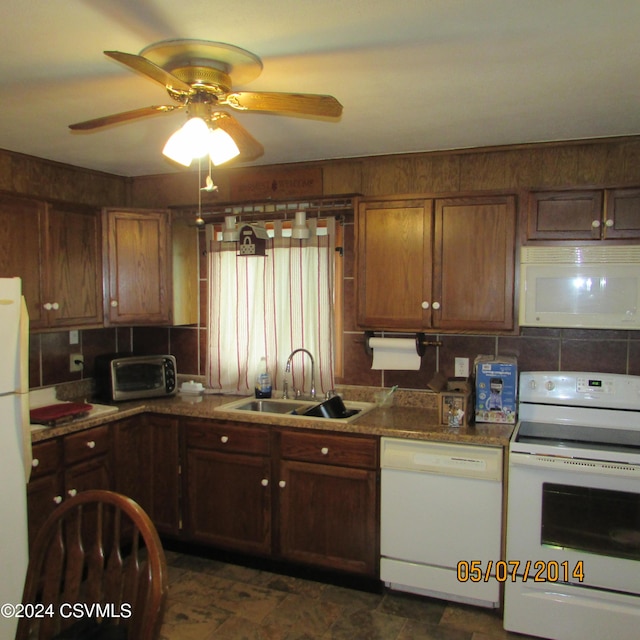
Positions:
(263, 380)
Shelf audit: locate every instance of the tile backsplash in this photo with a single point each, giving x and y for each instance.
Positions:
(604, 351)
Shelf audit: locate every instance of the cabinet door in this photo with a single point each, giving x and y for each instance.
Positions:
(73, 275)
(137, 270)
(165, 478)
(132, 460)
(564, 215)
(394, 264)
(147, 467)
(622, 216)
(45, 488)
(328, 516)
(229, 500)
(93, 473)
(20, 222)
(474, 263)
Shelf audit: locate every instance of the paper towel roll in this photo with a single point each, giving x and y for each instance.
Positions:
(394, 353)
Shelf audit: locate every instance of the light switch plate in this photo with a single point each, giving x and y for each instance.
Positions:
(461, 367)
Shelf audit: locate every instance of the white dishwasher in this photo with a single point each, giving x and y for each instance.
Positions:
(441, 510)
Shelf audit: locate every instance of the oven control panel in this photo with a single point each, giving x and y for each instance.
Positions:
(594, 385)
(604, 390)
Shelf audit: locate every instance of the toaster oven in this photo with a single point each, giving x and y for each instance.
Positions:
(128, 377)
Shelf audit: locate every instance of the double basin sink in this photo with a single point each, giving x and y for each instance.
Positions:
(279, 406)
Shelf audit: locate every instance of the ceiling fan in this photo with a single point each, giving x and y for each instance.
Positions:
(199, 75)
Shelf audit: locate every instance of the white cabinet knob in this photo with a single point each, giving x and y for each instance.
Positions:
(72, 492)
(35, 462)
(324, 451)
(435, 305)
(425, 304)
(264, 482)
(224, 439)
(595, 224)
(282, 484)
(609, 223)
(114, 303)
(48, 306)
(55, 306)
(91, 444)
(58, 499)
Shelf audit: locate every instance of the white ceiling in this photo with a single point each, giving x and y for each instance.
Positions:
(413, 75)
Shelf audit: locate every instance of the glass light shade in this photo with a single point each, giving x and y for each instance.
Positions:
(230, 231)
(189, 142)
(222, 147)
(300, 230)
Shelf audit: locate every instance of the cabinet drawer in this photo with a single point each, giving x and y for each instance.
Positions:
(227, 436)
(45, 458)
(351, 451)
(86, 444)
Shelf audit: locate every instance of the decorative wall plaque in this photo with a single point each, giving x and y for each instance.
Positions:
(275, 184)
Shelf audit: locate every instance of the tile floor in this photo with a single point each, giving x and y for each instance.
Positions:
(214, 600)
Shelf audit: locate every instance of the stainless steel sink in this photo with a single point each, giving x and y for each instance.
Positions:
(291, 408)
(274, 406)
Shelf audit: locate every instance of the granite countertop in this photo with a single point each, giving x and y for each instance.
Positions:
(401, 420)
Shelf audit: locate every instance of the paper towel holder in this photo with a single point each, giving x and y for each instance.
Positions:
(421, 343)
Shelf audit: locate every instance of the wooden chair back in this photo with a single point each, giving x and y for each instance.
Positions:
(97, 567)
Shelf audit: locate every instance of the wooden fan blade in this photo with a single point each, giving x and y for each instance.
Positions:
(151, 70)
(250, 148)
(116, 118)
(294, 103)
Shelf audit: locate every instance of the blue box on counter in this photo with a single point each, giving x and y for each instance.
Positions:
(496, 389)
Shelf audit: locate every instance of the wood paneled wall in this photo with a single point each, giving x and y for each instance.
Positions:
(610, 161)
(29, 176)
(596, 162)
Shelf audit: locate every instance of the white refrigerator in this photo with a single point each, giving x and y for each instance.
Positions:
(15, 446)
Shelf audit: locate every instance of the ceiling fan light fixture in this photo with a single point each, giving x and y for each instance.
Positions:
(188, 142)
(222, 146)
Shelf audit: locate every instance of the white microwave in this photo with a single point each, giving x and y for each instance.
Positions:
(592, 286)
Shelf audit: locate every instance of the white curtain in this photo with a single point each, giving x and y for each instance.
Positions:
(267, 306)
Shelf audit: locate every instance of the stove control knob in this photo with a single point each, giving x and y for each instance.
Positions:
(549, 385)
(533, 384)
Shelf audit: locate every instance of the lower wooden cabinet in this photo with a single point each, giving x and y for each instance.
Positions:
(304, 497)
(228, 485)
(45, 489)
(328, 497)
(64, 466)
(308, 497)
(146, 464)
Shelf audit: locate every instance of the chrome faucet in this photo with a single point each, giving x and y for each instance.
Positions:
(287, 369)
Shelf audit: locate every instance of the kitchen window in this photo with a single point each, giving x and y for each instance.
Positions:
(267, 306)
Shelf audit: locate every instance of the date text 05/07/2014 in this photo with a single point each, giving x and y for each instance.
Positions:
(533, 570)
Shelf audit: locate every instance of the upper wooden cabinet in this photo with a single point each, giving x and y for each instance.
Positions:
(56, 251)
(593, 214)
(394, 272)
(445, 264)
(137, 271)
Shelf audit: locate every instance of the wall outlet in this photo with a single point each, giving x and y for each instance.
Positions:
(76, 362)
(461, 367)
